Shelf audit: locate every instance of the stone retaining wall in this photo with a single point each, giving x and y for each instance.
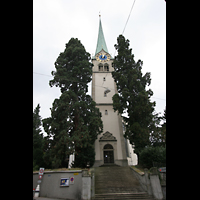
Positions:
(50, 184)
(150, 182)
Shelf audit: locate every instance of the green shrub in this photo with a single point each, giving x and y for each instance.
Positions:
(152, 154)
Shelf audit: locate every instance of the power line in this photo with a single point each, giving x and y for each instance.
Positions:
(127, 20)
(66, 79)
(94, 85)
(159, 98)
(42, 74)
(105, 78)
(128, 16)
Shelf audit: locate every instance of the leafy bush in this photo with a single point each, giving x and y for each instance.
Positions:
(152, 154)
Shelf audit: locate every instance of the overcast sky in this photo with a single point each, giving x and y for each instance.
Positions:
(55, 22)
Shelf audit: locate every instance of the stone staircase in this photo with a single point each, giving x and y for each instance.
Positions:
(115, 182)
(122, 196)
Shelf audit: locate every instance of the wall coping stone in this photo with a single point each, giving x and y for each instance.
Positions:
(137, 170)
(62, 171)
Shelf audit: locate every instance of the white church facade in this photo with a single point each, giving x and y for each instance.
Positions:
(110, 146)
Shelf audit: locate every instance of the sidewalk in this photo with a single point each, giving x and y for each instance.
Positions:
(45, 198)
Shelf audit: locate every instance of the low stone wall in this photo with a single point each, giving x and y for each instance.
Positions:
(143, 179)
(150, 182)
(50, 184)
(163, 184)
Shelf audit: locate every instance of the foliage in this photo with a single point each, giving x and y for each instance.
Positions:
(37, 139)
(152, 154)
(85, 157)
(132, 95)
(35, 166)
(73, 69)
(163, 127)
(75, 121)
(158, 134)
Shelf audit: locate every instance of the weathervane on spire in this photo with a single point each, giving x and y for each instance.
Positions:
(99, 14)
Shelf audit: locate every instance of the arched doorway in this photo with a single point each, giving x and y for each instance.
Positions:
(108, 153)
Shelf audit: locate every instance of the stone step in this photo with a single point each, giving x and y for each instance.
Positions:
(117, 183)
(120, 196)
(115, 179)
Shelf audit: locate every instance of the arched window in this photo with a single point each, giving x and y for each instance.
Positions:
(106, 67)
(100, 67)
(106, 112)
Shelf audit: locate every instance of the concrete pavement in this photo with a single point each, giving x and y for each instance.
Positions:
(45, 198)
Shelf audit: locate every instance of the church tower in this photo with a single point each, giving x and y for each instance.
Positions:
(110, 146)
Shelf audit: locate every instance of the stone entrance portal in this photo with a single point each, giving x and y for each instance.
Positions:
(108, 154)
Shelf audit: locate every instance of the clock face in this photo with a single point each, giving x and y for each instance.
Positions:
(103, 57)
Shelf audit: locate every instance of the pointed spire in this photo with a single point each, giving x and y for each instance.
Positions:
(101, 43)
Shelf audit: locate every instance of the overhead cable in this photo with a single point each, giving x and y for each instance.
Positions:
(128, 16)
(94, 85)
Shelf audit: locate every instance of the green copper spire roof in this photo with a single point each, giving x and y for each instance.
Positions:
(101, 43)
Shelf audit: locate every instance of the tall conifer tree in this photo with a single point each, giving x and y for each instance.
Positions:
(132, 95)
(37, 139)
(75, 121)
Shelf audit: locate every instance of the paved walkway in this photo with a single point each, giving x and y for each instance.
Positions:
(45, 198)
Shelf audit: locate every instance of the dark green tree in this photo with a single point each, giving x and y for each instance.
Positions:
(158, 134)
(152, 154)
(132, 96)
(85, 157)
(75, 121)
(37, 140)
(163, 129)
